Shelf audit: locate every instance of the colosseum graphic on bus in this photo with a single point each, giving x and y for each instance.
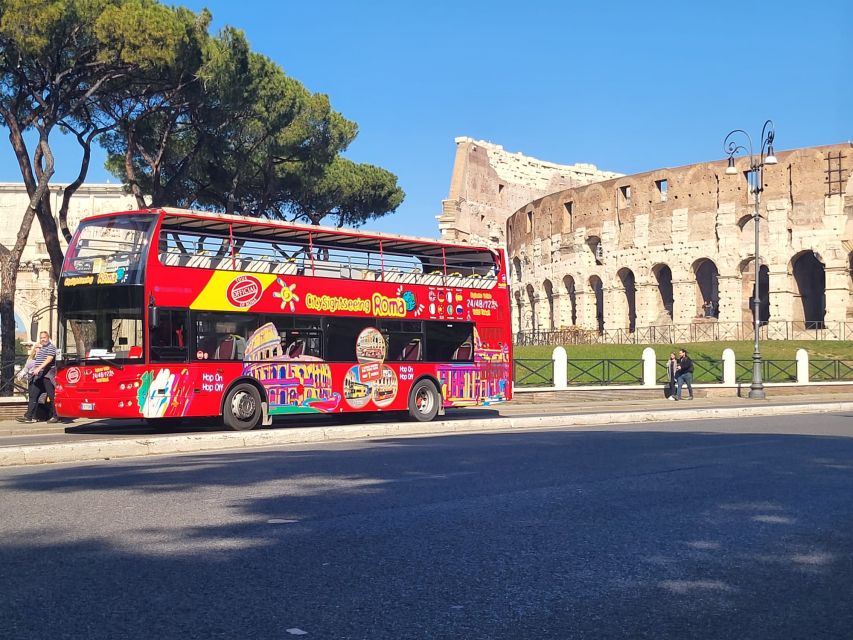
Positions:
(292, 386)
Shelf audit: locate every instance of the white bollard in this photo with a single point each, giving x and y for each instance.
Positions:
(802, 366)
(649, 367)
(561, 368)
(729, 374)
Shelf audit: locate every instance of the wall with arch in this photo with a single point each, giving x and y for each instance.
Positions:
(677, 246)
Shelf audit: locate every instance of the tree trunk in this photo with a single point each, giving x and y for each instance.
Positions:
(11, 260)
(8, 287)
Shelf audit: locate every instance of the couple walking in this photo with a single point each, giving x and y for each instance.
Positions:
(680, 372)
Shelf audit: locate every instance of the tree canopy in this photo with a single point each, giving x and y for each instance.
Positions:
(187, 119)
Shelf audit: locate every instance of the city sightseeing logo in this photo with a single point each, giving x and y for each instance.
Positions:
(287, 294)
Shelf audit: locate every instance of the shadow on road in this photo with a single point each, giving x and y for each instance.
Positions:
(527, 535)
(213, 425)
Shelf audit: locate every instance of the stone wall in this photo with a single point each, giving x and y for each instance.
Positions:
(36, 290)
(664, 242)
(488, 184)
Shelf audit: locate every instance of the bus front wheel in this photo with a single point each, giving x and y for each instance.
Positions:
(242, 410)
(424, 401)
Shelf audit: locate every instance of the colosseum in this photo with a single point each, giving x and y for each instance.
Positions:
(668, 255)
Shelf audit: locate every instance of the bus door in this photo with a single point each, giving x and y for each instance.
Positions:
(167, 388)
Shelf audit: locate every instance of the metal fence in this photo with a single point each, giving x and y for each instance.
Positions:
(590, 372)
(708, 330)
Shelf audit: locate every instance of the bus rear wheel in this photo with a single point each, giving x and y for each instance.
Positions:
(242, 410)
(424, 401)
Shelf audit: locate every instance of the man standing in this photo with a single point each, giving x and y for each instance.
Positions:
(41, 380)
(684, 375)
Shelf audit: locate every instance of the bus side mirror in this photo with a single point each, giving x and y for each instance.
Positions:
(153, 316)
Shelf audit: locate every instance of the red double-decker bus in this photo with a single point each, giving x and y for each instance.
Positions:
(171, 314)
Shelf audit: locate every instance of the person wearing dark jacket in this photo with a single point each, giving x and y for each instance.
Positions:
(684, 375)
(671, 372)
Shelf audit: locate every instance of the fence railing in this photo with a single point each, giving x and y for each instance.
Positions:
(533, 372)
(623, 371)
(708, 330)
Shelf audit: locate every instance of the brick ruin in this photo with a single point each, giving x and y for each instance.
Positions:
(630, 254)
(489, 184)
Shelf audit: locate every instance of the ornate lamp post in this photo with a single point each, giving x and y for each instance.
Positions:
(756, 186)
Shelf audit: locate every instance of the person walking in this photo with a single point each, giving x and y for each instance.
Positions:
(684, 374)
(41, 381)
(671, 371)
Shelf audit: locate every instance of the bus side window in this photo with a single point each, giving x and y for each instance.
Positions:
(168, 339)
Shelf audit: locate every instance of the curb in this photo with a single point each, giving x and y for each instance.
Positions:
(127, 448)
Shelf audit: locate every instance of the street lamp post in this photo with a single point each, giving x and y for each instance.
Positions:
(756, 186)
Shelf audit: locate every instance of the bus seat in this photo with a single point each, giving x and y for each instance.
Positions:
(285, 268)
(327, 269)
(226, 349)
(392, 275)
(463, 352)
(411, 277)
(295, 349)
(411, 351)
(200, 261)
(259, 266)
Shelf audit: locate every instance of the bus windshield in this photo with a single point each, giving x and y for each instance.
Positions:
(109, 250)
(102, 323)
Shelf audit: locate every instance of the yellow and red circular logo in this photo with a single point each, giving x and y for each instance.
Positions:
(72, 376)
(244, 291)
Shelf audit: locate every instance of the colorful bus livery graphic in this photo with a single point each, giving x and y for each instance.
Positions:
(208, 315)
(292, 387)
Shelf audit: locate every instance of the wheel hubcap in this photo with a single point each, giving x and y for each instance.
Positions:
(423, 401)
(243, 406)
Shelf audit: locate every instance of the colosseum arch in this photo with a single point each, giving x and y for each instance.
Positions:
(548, 321)
(664, 300)
(516, 268)
(628, 285)
(747, 275)
(531, 299)
(809, 286)
(707, 285)
(572, 299)
(519, 305)
(596, 287)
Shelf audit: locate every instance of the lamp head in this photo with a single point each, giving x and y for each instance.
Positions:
(771, 157)
(731, 170)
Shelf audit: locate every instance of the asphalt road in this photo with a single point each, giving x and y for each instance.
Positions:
(682, 530)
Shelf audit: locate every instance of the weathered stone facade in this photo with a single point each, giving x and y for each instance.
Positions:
(650, 249)
(488, 184)
(36, 290)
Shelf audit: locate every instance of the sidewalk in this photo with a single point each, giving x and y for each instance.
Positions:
(104, 439)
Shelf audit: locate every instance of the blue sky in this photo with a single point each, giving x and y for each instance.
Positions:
(627, 86)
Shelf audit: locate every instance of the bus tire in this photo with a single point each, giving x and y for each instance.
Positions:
(424, 400)
(242, 410)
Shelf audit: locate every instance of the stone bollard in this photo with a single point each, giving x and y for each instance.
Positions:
(802, 366)
(561, 368)
(649, 367)
(729, 369)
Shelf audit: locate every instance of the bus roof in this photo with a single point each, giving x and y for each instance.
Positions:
(261, 228)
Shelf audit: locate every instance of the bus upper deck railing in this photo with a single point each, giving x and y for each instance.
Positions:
(349, 269)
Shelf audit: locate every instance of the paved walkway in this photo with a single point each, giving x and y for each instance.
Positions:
(96, 440)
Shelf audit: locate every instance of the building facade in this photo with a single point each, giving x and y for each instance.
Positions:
(35, 298)
(638, 257)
